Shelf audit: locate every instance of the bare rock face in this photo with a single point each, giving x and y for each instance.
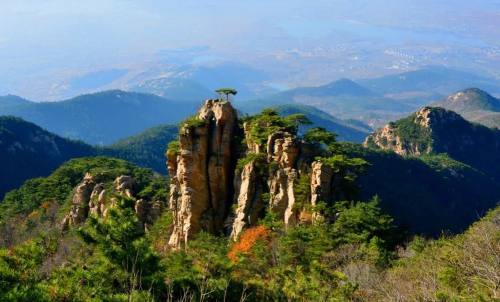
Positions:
(322, 178)
(97, 200)
(90, 198)
(80, 203)
(252, 146)
(390, 138)
(124, 185)
(201, 187)
(249, 199)
(283, 149)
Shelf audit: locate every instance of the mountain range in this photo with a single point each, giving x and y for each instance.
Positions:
(249, 189)
(101, 118)
(377, 101)
(449, 161)
(145, 149)
(475, 105)
(28, 151)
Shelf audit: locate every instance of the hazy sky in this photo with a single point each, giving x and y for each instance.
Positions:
(42, 35)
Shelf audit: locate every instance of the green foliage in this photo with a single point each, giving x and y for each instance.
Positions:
(56, 190)
(269, 121)
(202, 271)
(360, 222)
(460, 268)
(224, 93)
(411, 132)
(145, 149)
(302, 190)
(28, 151)
(319, 136)
(174, 147)
(192, 122)
(120, 238)
(20, 273)
(259, 159)
(427, 194)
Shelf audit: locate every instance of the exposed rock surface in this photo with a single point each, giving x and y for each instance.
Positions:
(202, 173)
(283, 149)
(392, 136)
(249, 199)
(80, 203)
(91, 198)
(435, 130)
(205, 183)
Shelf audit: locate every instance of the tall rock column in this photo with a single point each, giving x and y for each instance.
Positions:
(202, 172)
(283, 148)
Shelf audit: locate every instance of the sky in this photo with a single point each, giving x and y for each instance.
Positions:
(62, 38)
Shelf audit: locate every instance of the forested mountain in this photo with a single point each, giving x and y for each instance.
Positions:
(475, 105)
(344, 99)
(146, 149)
(347, 130)
(175, 89)
(438, 80)
(105, 117)
(8, 101)
(434, 130)
(254, 199)
(27, 151)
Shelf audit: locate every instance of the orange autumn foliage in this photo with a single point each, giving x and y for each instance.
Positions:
(246, 241)
(46, 205)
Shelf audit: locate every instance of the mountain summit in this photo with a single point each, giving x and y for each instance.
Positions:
(434, 130)
(470, 99)
(475, 105)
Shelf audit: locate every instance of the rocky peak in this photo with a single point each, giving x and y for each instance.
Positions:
(209, 176)
(202, 171)
(90, 197)
(471, 99)
(430, 129)
(430, 116)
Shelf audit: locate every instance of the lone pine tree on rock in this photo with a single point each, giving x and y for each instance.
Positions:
(225, 93)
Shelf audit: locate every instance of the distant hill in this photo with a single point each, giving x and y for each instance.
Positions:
(105, 117)
(342, 87)
(344, 99)
(28, 151)
(8, 101)
(353, 131)
(432, 80)
(475, 105)
(146, 149)
(175, 89)
(433, 170)
(434, 130)
(428, 194)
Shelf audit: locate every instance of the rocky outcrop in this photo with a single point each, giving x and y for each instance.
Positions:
(409, 136)
(80, 202)
(283, 150)
(124, 185)
(202, 172)
(91, 198)
(431, 129)
(249, 199)
(387, 138)
(205, 183)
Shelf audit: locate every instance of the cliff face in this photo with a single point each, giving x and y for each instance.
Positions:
(437, 130)
(219, 188)
(202, 172)
(91, 198)
(410, 136)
